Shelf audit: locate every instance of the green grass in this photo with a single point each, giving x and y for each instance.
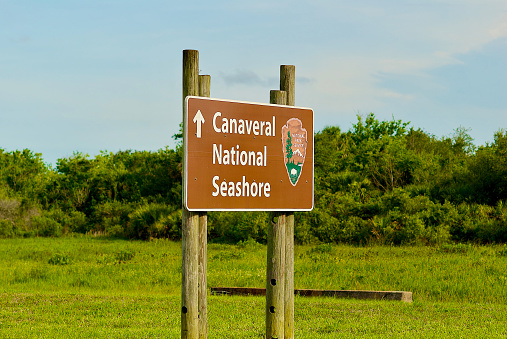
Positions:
(62, 315)
(98, 288)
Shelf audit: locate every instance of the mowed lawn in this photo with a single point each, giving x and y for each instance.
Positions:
(98, 288)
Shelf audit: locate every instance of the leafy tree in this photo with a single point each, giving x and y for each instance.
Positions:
(288, 147)
(487, 174)
(379, 182)
(371, 128)
(22, 173)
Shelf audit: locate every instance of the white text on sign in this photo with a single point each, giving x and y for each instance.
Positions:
(240, 126)
(236, 157)
(241, 188)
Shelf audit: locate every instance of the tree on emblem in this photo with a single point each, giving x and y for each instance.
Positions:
(288, 147)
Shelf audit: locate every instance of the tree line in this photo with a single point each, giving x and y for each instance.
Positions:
(381, 182)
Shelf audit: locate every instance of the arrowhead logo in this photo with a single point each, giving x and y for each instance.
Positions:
(294, 143)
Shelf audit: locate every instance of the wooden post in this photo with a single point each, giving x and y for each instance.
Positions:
(277, 97)
(190, 221)
(288, 84)
(203, 271)
(204, 91)
(204, 85)
(275, 275)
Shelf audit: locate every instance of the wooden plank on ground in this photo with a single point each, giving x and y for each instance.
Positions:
(353, 294)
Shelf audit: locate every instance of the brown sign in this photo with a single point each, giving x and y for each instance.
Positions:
(247, 156)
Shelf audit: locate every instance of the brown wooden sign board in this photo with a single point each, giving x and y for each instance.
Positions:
(247, 156)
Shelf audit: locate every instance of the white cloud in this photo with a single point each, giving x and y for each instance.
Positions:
(404, 38)
(500, 29)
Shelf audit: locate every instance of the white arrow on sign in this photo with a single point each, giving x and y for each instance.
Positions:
(199, 119)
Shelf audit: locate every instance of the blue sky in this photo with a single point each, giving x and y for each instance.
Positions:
(89, 75)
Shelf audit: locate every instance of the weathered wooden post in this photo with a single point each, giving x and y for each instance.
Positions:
(204, 91)
(288, 84)
(275, 274)
(190, 221)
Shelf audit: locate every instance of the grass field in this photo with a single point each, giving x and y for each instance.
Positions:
(98, 288)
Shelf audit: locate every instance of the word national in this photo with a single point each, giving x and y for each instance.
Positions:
(236, 157)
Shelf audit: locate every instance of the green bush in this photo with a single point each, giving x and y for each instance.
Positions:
(10, 209)
(234, 227)
(111, 217)
(46, 227)
(322, 249)
(249, 244)
(6, 229)
(76, 222)
(59, 259)
(154, 220)
(381, 182)
(171, 223)
(303, 228)
(456, 248)
(492, 231)
(503, 251)
(124, 256)
(480, 223)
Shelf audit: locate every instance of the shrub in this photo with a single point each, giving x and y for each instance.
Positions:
(456, 248)
(46, 227)
(6, 229)
(59, 259)
(492, 231)
(74, 221)
(124, 256)
(154, 220)
(171, 224)
(9, 209)
(322, 249)
(234, 227)
(111, 217)
(480, 223)
(249, 244)
(77, 222)
(303, 228)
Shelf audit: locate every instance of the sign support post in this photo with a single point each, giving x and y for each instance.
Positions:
(190, 222)
(275, 272)
(288, 84)
(204, 91)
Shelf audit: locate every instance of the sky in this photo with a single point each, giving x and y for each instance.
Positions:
(106, 75)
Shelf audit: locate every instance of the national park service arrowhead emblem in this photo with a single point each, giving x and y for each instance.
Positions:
(294, 142)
